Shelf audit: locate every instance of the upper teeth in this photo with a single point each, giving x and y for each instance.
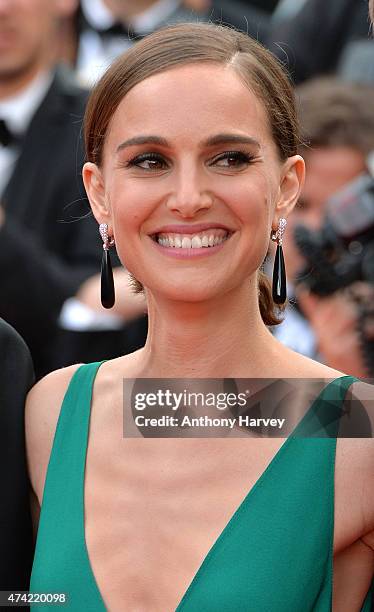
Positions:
(195, 241)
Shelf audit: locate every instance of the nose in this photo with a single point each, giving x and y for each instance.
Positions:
(189, 195)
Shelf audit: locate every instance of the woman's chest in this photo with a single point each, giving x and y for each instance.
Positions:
(152, 515)
(158, 510)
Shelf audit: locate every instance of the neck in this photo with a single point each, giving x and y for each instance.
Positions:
(223, 337)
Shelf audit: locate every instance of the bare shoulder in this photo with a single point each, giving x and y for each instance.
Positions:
(300, 366)
(42, 410)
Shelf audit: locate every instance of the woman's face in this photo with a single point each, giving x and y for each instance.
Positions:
(189, 156)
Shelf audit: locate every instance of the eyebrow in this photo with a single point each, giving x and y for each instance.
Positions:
(210, 142)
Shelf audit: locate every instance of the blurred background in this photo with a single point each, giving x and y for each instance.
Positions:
(51, 54)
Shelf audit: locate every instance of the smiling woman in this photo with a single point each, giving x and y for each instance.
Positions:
(192, 164)
(248, 60)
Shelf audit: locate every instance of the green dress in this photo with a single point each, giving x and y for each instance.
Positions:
(274, 555)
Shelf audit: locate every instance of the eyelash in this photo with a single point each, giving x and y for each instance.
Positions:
(244, 158)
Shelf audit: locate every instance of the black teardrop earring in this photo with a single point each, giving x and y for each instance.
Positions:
(279, 288)
(107, 282)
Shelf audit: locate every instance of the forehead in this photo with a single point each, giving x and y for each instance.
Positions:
(188, 103)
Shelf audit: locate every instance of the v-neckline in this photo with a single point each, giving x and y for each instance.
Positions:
(280, 452)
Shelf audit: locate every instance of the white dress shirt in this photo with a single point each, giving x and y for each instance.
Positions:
(95, 54)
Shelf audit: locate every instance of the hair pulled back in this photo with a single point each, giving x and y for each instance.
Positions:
(188, 43)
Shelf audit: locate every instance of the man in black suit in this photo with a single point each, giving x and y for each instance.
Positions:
(16, 374)
(47, 235)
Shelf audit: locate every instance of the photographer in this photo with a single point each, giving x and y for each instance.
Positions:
(338, 131)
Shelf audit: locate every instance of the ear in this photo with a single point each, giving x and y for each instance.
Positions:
(94, 185)
(292, 181)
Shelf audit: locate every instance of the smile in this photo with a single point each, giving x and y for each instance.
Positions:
(207, 239)
(187, 246)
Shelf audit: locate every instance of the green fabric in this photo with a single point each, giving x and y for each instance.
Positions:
(275, 553)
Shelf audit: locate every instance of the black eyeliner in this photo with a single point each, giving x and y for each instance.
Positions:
(144, 157)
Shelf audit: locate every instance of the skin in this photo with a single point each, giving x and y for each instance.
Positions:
(333, 318)
(192, 190)
(334, 322)
(125, 9)
(127, 305)
(30, 33)
(329, 169)
(188, 303)
(28, 40)
(198, 5)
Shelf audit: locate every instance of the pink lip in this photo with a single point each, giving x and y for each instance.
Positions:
(188, 253)
(188, 229)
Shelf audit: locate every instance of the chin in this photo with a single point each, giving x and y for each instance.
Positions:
(186, 292)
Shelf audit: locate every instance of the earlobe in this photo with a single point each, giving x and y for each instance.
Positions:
(291, 185)
(94, 185)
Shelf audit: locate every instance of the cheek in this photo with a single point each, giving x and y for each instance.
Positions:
(130, 208)
(263, 201)
(125, 226)
(253, 205)
(248, 198)
(128, 202)
(126, 220)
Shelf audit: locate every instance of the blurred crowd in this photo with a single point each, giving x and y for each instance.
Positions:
(53, 51)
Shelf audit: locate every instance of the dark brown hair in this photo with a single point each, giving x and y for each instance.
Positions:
(189, 43)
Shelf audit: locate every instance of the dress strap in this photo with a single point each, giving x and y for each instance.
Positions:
(323, 418)
(61, 536)
(68, 454)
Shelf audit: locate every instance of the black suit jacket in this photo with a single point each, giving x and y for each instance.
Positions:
(16, 377)
(47, 248)
(311, 43)
(244, 16)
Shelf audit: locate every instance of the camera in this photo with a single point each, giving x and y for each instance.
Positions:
(342, 252)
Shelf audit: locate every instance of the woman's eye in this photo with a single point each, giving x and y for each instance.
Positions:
(233, 159)
(148, 161)
(154, 161)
